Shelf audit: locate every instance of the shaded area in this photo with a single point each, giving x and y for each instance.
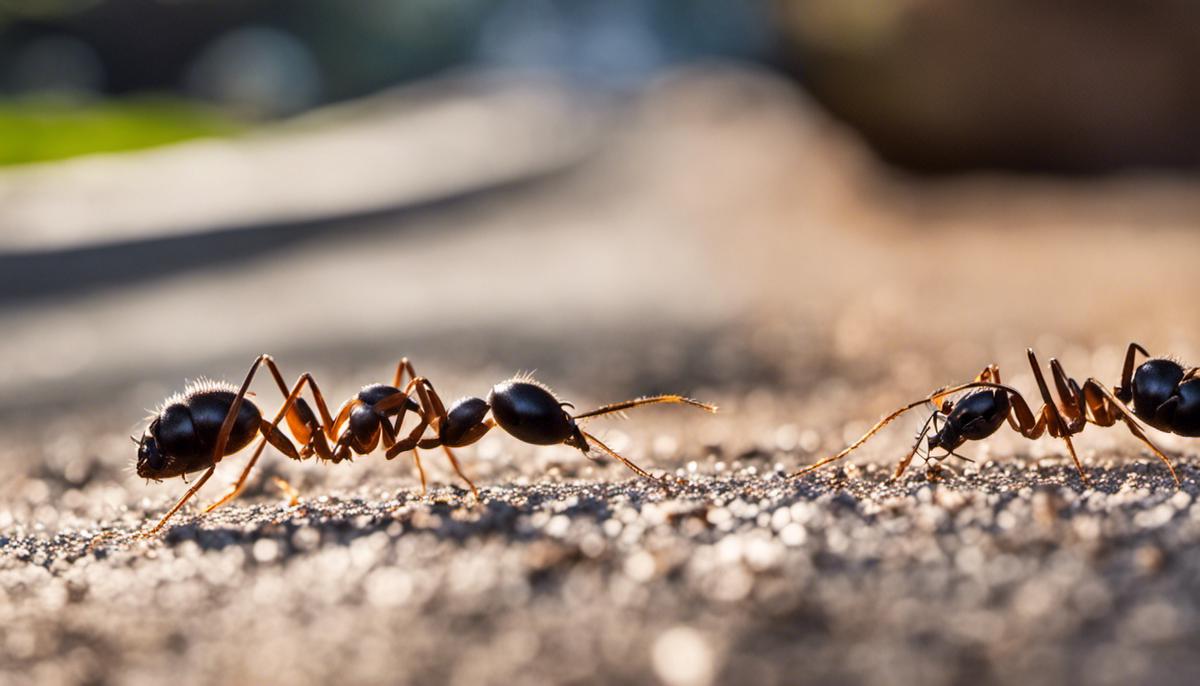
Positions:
(90, 269)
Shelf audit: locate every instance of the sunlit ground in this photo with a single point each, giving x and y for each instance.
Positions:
(715, 235)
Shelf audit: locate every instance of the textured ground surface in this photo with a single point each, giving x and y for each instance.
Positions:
(1014, 574)
(726, 242)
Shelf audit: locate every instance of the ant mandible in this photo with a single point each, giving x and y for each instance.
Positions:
(1164, 395)
(195, 430)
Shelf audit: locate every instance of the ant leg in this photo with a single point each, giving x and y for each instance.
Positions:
(300, 418)
(389, 442)
(625, 461)
(649, 400)
(1074, 405)
(989, 373)
(1114, 403)
(903, 464)
(429, 401)
(1053, 416)
(1097, 401)
(399, 403)
(270, 433)
(179, 503)
(420, 470)
(935, 398)
(1125, 391)
(403, 366)
(342, 416)
(288, 490)
(458, 469)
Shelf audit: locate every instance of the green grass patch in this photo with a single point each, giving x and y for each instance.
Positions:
(37, 130)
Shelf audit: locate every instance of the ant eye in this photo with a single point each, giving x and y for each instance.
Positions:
(149, 454)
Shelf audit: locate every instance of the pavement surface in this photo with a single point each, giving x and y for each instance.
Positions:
(722, 239)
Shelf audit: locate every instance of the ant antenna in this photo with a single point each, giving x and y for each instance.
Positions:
(648, 400)
(925, 432)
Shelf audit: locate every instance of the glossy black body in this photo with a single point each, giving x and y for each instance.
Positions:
(1162, 401)
(973, 418)
(182, 438)
(462, 418)
(531, 413)
(365, 418)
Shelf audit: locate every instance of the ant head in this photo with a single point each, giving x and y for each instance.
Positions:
(151, 462)
(948, 438)
(577, 440)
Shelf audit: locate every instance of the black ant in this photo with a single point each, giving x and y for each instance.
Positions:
(194, 431)
(525, 409)
(1164, 395)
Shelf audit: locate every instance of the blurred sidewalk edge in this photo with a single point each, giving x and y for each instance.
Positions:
(401, 148)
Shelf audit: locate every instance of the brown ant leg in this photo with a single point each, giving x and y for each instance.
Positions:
(638, 402)
(269, 431)
(458, 470)
(288, 490)
(403, 366)
(1098, 404)
(1114, 403)
(179, 503)
(414, 438)
(625, 461)
(416, 454)
(1124, 392)
(431, 402)
(434, 413)
(428, 417)
(990, 373)
(396, 401)
(1054, 421)
(1074, 406)
(299, 418)
(412, 441)
(935, 398)
(389, 442)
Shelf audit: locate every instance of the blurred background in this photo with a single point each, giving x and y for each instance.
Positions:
(794, 194)
(808, 211)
